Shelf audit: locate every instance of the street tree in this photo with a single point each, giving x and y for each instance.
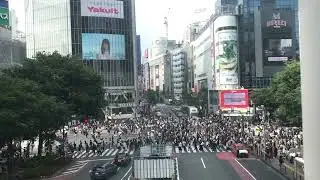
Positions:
(286, 90)
(68, 79)
(152, 96)
(283, 97)
(25, 111)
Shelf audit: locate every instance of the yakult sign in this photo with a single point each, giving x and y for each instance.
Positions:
(102, 8)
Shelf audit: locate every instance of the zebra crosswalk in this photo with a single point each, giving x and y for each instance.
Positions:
(192, 149)
(106, 153)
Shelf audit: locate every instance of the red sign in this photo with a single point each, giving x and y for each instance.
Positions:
(234, 99)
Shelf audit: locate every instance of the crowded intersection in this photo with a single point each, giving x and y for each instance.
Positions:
(208, 138)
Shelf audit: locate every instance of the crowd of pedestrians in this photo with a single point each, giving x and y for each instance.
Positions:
(211, 132)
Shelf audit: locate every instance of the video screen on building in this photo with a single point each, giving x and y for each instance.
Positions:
(277, 50)
(234, 98)
(103, 46)
(102, 8)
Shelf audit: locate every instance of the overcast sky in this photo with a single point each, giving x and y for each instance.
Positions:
(149, 17)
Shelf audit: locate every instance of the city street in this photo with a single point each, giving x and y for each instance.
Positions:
(205, 166)
(223, 166)
(124, 173)
(260, 170)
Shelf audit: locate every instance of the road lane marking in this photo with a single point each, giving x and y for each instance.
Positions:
(115, 152)
(178, 173)
(245, 170)
(204, 166)
(105, 152)
(92, 160)
(71, 170)
(129, 177)
(81, 154)
(125, 175)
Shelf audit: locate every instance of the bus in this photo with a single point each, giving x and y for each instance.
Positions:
(190, 111)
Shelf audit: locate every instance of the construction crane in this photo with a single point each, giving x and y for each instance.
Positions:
(166, 23)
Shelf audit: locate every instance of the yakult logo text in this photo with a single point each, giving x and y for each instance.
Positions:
(103, 10)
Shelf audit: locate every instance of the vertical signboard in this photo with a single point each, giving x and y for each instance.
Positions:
(226, 53)
(277, 35)
(4, 14)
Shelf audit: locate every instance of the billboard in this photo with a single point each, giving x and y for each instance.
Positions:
(226, 62)
(234, 99)
(277, 21)
(277, 50)
(4, 17)
(102, 8)
(103, 46)
(226, 57)
(4, 3)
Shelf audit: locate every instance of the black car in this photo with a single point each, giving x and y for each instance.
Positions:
(103, 171)
(122, 159)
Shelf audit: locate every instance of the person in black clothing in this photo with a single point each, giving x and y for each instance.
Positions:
(281, 160)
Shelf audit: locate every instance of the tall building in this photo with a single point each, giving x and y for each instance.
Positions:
(138, 54)
(265, 44)
(12, 42)
(179, 71)
(101, 33)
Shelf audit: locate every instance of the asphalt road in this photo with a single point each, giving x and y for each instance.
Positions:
(260, 170)
(123, 173)
(205, 166)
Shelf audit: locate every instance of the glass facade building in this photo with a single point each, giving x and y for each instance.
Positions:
(68, 27)
(48, 26)
(247, 39)
(101, 33)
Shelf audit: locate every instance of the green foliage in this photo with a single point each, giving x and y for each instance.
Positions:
(283, 97)
(66, 78)
(40, 97)
(152, 96)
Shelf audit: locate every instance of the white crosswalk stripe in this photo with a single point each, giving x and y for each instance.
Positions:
(106, 153)
(206, 149)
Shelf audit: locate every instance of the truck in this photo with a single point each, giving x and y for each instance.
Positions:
(155, 161)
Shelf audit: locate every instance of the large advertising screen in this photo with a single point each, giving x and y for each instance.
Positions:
(277, 20)
(234, 99)
(226, 58)
(102, 8)
(277, 50)
(4, 17)
(4, 3)
(103, 46)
